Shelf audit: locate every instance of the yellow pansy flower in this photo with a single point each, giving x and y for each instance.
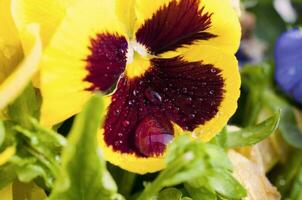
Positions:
(165, 65)
(16, 71)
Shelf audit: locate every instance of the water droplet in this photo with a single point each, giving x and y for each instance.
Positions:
(184, 90)
(131, 102)
(153, 96)
(126, 123)
(107, 67)
(203, 83)
(117, 112)
(213, 70)
(122, 51)
(166, 89)
(282, 182)
(188, 100)
(211, 92)
(191, 116)
(118, 143)
(120, 134)
(135, 92)
(152, 135)
(106, 75)
(213, 103)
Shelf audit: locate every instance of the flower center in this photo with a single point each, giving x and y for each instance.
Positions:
(138, 59)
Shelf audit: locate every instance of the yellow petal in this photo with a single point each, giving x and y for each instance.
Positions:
(228, 65)
(126, 14)
(47, 13)
(224, 23)
(7, 192)
(131, 162)
(13, 85)
(7, 154)
(63, 65)
(28, 191)
(10, 46)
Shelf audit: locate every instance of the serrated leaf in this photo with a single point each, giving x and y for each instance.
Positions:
(83, 173)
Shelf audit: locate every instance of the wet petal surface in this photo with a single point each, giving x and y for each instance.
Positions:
(107, 61)
(175, 25)
(173, 90)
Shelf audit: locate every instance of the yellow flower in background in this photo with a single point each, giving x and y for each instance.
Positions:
(22, 191)
(15, 71)
(165, 65)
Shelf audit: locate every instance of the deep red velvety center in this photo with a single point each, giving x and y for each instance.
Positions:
(142, 109)
(107, 61)
(177, 24)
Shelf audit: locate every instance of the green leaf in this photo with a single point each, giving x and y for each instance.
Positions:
(287, 173)
(169, 194)
(296, 192)
(255, 79)
(8, 175)
(25, 107)
(38, 153)
(225, 184)
(288, 125)
(83, 172)
(251, 135)
(190, 162)
(200, 193)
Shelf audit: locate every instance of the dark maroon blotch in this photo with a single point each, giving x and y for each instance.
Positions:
(186, 93)
(107, 61)
(175, 25)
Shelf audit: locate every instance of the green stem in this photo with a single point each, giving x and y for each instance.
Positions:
(126, 183)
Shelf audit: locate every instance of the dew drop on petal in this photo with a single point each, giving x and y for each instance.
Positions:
(184, 90)
(126, 123)
(192, 116)
(153, 96)
(152, 136)
(188, 100)
(135, 92)
(117, 112)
